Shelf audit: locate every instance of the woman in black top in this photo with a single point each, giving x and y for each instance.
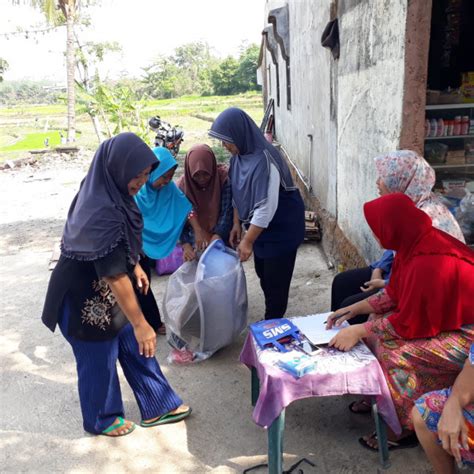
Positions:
(91, 293)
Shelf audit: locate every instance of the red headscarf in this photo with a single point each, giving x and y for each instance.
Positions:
(206, 201)
(432, 278)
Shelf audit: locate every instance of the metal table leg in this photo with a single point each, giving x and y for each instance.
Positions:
(255, 386)
(381, 431)
(275, 445)
(275, 437)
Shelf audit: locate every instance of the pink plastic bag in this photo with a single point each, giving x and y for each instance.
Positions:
(169, 264)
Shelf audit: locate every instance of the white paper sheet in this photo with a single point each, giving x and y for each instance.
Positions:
(313, 327)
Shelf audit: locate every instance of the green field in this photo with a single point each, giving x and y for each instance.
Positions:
(25, 127)
(35, 141)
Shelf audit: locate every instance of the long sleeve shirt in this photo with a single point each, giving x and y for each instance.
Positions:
(263, 215)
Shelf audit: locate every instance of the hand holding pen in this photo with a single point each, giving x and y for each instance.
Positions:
(336, 318)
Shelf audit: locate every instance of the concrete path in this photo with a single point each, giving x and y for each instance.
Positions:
(41, 429)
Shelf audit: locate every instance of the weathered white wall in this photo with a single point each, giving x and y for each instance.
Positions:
(310, 98)
(369, 111)
(352, 106)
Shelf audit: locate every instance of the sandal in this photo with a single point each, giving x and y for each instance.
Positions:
(117, 426)
(366, 407)
(410, 441)
(167, 418)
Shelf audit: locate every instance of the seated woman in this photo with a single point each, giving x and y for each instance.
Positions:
(206, 185)
(91, 294)
(164, 209)
(405, 172)
(423, 343)
(444, 422)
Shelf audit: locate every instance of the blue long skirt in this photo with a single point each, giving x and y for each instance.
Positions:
(99, 388)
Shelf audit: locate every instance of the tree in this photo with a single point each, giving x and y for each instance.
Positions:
(89, 56)
(224, 77)
(60, 12)
(248, 64)
(3, 68)
(187, 71)
(161, 79)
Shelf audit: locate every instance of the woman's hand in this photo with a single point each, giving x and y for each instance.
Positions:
(244, 250)
(143, 283)
(375, 284)
(235, 235)
(202, 238)
(188, 253)
(146, 338)
(452, 429)
(347, 338)
(342, 314)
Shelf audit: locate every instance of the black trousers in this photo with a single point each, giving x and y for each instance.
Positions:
(148, 302)
(346, 291)
(275, 277)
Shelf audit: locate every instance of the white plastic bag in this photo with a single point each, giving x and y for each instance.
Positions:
(465, 216)
(205, 304)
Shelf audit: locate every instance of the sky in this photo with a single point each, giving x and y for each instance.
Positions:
(144, 29)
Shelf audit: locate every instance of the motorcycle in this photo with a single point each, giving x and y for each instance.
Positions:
(166, 135)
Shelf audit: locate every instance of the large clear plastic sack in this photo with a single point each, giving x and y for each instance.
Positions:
(465, 216)
(205, 304)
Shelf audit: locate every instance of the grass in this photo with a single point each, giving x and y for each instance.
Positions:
(35, 141)
(22, 127)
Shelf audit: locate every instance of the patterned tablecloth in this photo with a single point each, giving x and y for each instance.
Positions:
(336, 373)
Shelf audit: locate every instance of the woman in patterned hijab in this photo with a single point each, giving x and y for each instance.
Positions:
(406, 172)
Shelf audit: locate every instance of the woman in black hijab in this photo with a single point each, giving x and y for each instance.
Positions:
(91, 293)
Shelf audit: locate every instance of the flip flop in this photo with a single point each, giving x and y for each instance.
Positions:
(116, 426)
(167, 418)
(364, 411)
(410, 441)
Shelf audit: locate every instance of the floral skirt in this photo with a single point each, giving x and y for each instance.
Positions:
(417, 366)
(431, 406)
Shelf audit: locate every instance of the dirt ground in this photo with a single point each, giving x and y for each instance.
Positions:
(41, 428)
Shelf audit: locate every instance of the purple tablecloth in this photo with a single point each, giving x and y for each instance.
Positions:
(336, 373)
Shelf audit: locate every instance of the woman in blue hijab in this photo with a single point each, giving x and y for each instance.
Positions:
(91, 293)
(164, 208)
(266, 201)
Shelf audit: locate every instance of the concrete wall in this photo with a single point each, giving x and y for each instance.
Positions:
(309, 114)
(351, 106)
(369, 105)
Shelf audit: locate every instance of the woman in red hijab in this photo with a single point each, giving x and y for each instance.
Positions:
(423, 343)
(206, 185)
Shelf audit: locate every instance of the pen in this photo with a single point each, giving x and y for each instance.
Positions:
(337, 317)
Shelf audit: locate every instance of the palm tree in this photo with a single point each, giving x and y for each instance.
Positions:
(59, 12)
(3, 68)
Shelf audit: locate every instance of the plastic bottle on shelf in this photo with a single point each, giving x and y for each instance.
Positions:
(440, 128)
(457, 125)
(465, 125)
(433, 127)
(446, 126)
(450, 127)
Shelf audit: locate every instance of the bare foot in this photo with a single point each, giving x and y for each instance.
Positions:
(123, 427)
